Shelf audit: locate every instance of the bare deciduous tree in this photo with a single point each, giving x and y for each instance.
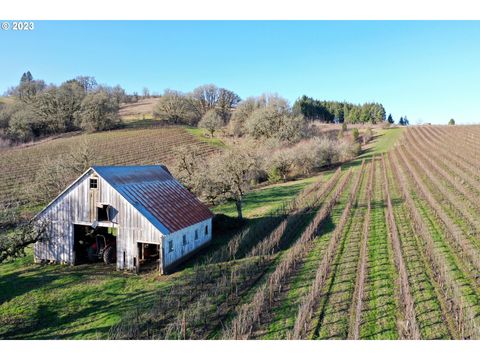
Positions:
(211, 121)
(228, 177)
(99, 111)
(56, 173)
(189, 163)
(175, 107)
(145, 92)
(88, 83)
(14, 242)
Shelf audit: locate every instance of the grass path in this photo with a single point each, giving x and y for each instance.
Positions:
(380, 312)
(334, 319)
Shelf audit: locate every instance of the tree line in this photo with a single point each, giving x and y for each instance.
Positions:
(76, 104)
(214, 108)
(264, 116)
(82, 104)
(339, 112)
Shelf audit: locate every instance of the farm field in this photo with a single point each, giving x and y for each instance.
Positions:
(84, 302)
(143, 108)
(385, 247)
(120, 147)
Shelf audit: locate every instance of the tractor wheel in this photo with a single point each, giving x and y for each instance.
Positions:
(92, 254)
(109, 255)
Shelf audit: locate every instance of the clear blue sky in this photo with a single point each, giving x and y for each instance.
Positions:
(429, 71)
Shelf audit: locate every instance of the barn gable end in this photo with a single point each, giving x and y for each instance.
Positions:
(130, 216)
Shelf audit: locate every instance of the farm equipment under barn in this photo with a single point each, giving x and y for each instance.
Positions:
(94, 245)
(102, 248)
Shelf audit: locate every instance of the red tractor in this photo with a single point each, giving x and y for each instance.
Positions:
(103, 248)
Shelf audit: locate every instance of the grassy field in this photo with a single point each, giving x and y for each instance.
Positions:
(54, 301)
(201, 135)
(385, 139)
(45, 302)
(262, 292)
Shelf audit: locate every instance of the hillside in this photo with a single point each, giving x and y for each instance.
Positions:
(86, 301)
(386, 247)
(6, 100)
(143, 108)
(120, 147)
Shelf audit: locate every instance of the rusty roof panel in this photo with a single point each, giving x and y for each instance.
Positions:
(154, 192)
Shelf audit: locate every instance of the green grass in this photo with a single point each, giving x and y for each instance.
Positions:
(384, 140)
(202, 135)
(266, 199)
(335, 316)
(83, 302)
(379, 318)
(425, 291)
(285, 311)
(56, 301)
(139, 121)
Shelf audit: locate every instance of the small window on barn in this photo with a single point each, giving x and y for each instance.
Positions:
(103, 213)
(93, 183)
(206, 230)
(196, 234)
(184, 239)
(170, 246)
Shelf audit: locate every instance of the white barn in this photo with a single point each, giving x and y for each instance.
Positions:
(130, 215)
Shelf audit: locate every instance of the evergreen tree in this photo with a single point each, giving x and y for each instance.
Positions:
(330, 111)
(26, 77)
(401, 122)
(451, 122)
(390, 119)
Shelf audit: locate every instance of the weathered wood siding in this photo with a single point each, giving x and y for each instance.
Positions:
(180, 249)
(74, 206)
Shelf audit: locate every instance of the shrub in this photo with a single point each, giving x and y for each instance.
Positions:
(355, 134)
(308, 156)
(367, 136)
(340, 134)
(270, 122)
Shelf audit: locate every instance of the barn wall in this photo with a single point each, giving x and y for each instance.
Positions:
(60, 216)
(179, 249)
(133, 227)
(73, 207)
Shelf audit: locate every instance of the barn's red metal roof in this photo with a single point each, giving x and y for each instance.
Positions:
(154, 192)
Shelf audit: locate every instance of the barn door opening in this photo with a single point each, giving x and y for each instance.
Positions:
(94, 244)
(148, 257)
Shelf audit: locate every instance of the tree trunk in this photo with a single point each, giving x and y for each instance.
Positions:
(238, 204)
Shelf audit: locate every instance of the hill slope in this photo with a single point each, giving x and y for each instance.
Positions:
(55, 301)
(120, 147)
